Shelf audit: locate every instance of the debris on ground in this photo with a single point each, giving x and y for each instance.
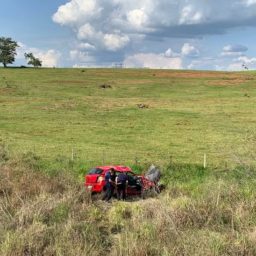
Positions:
(105, 86)
(142, 105)
(154, 174)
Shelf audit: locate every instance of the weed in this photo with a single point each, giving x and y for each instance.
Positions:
(4, 154)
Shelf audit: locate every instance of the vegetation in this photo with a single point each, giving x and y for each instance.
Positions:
(54, 112)
(32, 60)
(56, 123)
(201, 212)
(7, 50)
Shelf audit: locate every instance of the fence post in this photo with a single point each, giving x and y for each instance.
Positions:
(72, 155)
(204, 161)
(136, 160)
(103, 157)
(170, 159)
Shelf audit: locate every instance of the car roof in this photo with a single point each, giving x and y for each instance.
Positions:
(119, 168)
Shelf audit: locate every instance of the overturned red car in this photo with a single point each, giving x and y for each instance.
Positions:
(137, 184)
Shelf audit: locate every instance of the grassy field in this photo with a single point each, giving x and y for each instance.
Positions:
(201, 212)
(54, 112)
(56, 123)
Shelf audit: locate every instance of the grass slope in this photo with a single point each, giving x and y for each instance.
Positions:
(44, 113)
(51, 111)
(201, 213)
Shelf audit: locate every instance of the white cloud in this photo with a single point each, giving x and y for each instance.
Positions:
(232, 54)
(21, 50)
(114, 42)
(170, 53)
(89, 65)
(237, 66)
(241, 63)
(118, 20)
(203, 63)
(223, 64)
(137, 18)
(118, 25)
(123, 15)
(86, 32)
(189, 50)
(250, 2)
(233, 50)
(151, 60)
(76, 12)
(247, 60)
(190, 15)
(49, 58)
(108, 41)
(80, 56)
(86, 46)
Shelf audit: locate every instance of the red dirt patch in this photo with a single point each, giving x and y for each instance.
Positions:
(6, 90)
(227, 82)
(199, 74)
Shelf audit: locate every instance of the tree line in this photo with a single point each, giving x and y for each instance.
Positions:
(8, 52)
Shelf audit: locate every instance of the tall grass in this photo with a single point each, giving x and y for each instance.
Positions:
(201, 212)
(46, 215)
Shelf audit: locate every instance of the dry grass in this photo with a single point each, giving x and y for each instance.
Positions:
(40, 215)
(196, 228)
(43, 215)
(199, 75)
(228, 82)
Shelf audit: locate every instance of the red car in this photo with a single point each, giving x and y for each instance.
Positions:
(137, 184)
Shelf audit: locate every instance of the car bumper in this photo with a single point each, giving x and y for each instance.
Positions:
(94, 187)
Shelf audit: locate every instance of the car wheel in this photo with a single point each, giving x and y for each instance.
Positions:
(97, 196)
(151, 192)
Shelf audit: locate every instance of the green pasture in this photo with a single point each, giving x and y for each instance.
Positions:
(60, 114)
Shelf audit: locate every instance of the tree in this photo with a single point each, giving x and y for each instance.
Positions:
(32, 60)
(7, 50)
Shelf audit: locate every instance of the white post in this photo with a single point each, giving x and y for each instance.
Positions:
(103, 157)
(72, 155)
(204, 161)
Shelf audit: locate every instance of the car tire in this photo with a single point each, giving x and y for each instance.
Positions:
(151, 192)
(97, 196)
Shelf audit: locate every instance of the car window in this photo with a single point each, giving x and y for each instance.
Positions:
(131, 179)
(131, 174)
(95, 171)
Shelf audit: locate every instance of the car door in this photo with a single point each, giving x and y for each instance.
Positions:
(134, 184)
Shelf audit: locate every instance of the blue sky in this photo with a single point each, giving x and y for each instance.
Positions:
(184, 34)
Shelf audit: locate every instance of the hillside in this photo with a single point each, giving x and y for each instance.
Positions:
(56, 123)
(54, 112)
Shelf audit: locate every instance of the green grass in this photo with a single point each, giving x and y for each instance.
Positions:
(201, 212)
(45, 113)
(51, 111)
